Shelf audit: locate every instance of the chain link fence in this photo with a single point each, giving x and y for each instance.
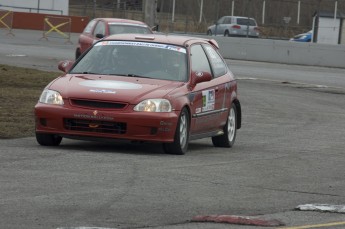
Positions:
(276, 18)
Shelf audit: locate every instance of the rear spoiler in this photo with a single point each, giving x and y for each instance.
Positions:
(214, 43)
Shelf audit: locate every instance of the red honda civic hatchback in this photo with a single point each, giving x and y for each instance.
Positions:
(99, 28)
(151, 88)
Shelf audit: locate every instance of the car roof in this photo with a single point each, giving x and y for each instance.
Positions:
(162, 38)
(121, 20)
(240, 17)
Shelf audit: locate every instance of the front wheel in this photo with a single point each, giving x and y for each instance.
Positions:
(230, 129)
(48, 139)
(181, 139)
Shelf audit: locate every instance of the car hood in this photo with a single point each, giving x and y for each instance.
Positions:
(112, 88)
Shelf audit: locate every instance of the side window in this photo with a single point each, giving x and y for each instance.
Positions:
(217, 63)
(227, 20)
(100, 28)
(89, 26)
(252, 23)
(199, 60)
(221, 20)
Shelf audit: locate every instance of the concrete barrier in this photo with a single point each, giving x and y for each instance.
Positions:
(281, 51)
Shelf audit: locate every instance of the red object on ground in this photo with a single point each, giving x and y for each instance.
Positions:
(242, 220)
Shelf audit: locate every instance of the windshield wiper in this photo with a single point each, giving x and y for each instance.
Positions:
(84, 73)
(131, 75)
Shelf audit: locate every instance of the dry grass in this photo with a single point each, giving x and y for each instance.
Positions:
(20, 89)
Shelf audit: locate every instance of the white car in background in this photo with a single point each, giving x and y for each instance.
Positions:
(234, 26)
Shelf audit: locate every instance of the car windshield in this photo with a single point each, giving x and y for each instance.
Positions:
(135, 59)
(123, 28)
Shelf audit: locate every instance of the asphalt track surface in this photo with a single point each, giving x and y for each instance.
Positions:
(289, 151)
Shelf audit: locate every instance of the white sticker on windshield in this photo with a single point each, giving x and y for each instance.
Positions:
(143, 44)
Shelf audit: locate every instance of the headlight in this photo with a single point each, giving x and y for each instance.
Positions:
(51, 97)
(154, 105)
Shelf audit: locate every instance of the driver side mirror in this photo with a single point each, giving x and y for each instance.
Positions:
(65, 66)
(155, 28)
(99, 35)
(199, 77)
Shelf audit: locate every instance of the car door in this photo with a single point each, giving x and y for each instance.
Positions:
(86, 37)
(226, 25)
(207, 97)
(220, 27)
(221, 79)
(98, 32)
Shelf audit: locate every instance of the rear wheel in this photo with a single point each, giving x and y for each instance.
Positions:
(209, 32)
(226, 33)
(230, 129)
(181, 139)
(48, 139)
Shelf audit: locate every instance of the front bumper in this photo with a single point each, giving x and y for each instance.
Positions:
(124, 124)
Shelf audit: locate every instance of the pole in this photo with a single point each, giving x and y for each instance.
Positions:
(150, 12)
(232, 7)
(248, 3)
(335, 12)
(298, 11)
(201, 8)
(173, 12)
(217, 9)
(94, 8)
(85, 7)
(263, 11)
(38, 6)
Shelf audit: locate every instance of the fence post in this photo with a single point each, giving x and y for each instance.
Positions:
(6, 20)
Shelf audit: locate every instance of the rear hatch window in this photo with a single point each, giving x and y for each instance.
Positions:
(246, 21)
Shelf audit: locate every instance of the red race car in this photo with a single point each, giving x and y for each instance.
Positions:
(155, 88)
(99, 28)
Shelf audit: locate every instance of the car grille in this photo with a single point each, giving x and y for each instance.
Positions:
(97, 104)
(95, 126)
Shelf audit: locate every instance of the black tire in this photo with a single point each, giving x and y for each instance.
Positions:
(181, 139)
(48, 139)
(209, 32)
(226, 33)
(230, 129)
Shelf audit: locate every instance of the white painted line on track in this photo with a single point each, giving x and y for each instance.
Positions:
(327, 225)
(322, 208)
(16, 55)
(85, 228)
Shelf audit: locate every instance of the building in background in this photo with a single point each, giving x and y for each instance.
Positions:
(58, 7)
(329, 28)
